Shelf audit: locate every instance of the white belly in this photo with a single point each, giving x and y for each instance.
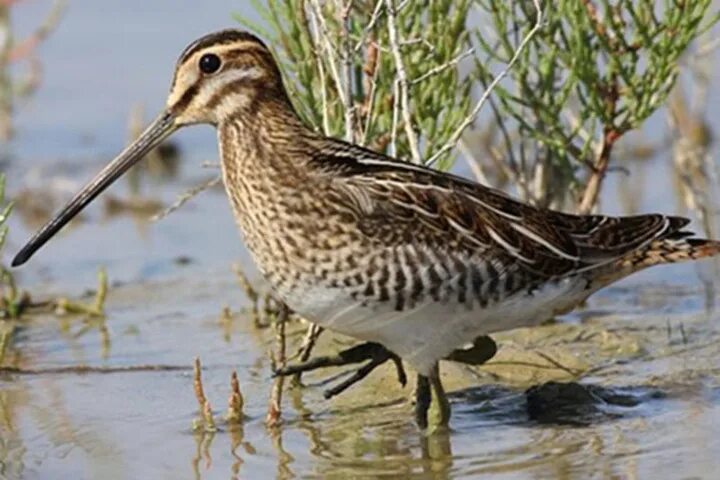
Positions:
(430, 330)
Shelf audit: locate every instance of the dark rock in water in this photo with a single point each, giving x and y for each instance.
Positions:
(182, 260)
(577, 404)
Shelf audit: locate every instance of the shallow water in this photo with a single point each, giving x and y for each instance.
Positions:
(138, 424)
(648, 348)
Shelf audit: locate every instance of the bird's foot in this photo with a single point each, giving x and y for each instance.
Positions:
(429, 388)
(431, 401)
(423, 398)
(482, 349)
(374, 352)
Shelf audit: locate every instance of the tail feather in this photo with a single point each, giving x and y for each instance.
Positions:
(671, 250)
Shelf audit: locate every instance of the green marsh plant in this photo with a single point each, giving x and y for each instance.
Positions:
(595, 71)
(14, 50)
(564, 80)
(382, 74)
(12, 300)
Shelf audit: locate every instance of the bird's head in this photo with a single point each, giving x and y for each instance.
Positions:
(221, 76)
(224, 76)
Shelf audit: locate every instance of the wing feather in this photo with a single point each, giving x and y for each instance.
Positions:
(407, 203)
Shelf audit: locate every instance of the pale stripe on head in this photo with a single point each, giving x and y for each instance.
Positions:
(246, 70)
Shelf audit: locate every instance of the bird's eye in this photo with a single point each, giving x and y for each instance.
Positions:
(210, 63)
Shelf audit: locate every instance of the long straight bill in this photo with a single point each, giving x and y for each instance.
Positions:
(158, 130)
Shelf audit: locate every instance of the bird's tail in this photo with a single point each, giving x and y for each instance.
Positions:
(670, 250)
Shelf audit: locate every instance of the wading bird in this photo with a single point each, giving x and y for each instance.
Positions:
(413, 261)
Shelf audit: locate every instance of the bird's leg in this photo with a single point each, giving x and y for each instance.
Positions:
(359, 374)
(423, 397)
(355, 354)
(443, 403)
(376, 353)
(426, 387)
(380, 356)
(482, 349)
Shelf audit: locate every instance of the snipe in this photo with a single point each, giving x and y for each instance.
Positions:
(413, 261)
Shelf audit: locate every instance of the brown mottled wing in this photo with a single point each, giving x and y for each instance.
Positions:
(400, 203)
(614, 236)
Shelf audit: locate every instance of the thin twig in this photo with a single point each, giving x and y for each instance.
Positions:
(348, 105)
(373, 55)
(592, 189)
(403, 82)
(395, 118)
(313, 332)
(455, 137)
(24, 48)
(315, 35)
(332, 59)
(187, 196)
(473, 163)
(85, 369)
(371, 24)
(441, 68)
(324, 96)
(571, 371)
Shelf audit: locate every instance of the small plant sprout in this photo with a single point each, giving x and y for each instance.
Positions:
(94, 309)
(5, 339)
(235, 402)
(197, 383)
(208, 419)
(277, 360)
(12, 300)
(206, 422)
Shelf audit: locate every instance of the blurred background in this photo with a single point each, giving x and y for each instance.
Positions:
(105, 389)
(101, 62)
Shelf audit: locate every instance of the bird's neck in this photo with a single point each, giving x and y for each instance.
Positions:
(262, 153)
(261, 139)
(262, 164)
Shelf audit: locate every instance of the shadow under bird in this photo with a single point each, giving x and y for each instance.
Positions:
(417, 263)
